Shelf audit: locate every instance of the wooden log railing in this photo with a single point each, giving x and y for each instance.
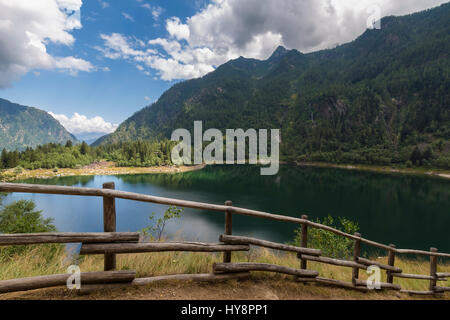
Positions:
(118, 248)
(110, 243)
(109, 223)
(67, 237)
(391, 262)
(228, 230)
(382, 285)
(61, 280)
(386, 267)
(245, 267)
(335, 262)
(268, 244)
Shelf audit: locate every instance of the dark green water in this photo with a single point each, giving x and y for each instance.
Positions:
(409, 211)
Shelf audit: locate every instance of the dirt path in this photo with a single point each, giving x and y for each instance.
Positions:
(254, 289)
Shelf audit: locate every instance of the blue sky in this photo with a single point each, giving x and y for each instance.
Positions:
(122, 55)
(116, 94)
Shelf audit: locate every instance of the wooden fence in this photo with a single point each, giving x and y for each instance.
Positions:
(110, 243)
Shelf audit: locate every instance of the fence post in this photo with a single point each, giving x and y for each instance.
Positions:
(391, 262)
(228, 230)
(304, 262)
(433, 270)
(109, 223)
(356, 254)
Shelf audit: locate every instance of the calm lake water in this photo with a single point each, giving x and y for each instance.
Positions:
(410, 211)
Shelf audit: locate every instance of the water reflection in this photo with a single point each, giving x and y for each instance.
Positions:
(409, 211)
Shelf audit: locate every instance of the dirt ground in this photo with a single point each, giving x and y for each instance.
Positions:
(251, 289)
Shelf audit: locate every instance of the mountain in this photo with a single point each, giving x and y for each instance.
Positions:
(387, 91)
(22, 127)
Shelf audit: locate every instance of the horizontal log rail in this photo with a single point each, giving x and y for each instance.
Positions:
(443, 274)
(191, 277)
(420, 293)
(268, 244)
(381, 285)
(200, 277)
(245, 267)
(442, 289)
(416, 276)
(368, 262)
(424, 253)
(333, 282)
(121, 248)
(61, 280)
(333, 261)
(67, 237)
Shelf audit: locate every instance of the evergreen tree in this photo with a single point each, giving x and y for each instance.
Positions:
(69, 144)
(416, 156)
(4, 159)
(84, 148)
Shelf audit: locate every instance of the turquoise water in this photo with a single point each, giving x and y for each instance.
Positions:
(409, 211)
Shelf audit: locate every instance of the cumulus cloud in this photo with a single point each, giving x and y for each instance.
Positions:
(26, 27)
(227, 29)
(176, 29)
(79, 124)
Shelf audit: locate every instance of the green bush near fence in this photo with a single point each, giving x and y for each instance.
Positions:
(22, 217)
(330, 244)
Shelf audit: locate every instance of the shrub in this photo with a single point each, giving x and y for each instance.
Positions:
(156, 229)
(22, 217)
(18, 170)
(332, 245)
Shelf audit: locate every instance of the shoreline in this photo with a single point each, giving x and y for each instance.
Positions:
(99, 169)
(437, 173)
(109, 169)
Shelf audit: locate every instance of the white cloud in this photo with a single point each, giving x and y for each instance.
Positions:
(104, 4)
(177, 29)
(80, 124)
(27, 27)
(156, 11)
(227, 29)
(118, 46)
(127, 16)
(72, 65)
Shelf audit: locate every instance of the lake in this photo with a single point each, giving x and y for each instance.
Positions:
(409, 211)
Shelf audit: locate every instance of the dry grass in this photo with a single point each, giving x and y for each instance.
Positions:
(35, 263)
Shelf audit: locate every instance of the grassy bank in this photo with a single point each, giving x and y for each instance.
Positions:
(36, 262)
(381, 169)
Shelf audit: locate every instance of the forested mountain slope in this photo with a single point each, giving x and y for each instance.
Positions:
(369, 101)
(22, 127)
